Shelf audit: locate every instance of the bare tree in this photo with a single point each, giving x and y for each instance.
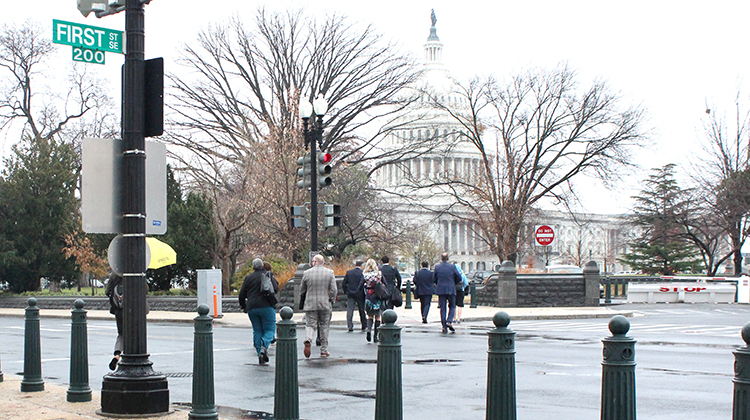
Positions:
(44, 110)
(533, 135)
(723, 179)
(236, 111)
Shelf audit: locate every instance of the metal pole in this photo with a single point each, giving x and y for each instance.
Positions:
(408, 295)
(618, 372)
(501, 370)
(473, 290)
(741, 402)
(203, 367)
(79, 390)
(286, 388)
(388, 384)
(314, 185)
(32, 351)
(134, 388)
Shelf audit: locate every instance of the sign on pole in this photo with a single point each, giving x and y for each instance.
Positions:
(544, 235)
(85, 36)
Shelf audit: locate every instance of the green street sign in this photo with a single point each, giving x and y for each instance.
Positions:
(86, 37)
(88, 56)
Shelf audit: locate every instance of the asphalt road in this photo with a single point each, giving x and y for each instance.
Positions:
(684, 357)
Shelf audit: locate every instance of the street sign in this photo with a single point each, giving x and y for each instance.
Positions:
(544, 235)
(88, 56)
(85, 36)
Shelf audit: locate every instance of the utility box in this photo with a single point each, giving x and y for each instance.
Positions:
(209, 291)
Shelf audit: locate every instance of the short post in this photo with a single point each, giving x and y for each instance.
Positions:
(501, 370)
(203, 367)
(388, 386)
(618, 372)
(32, 352)
(286, 389)
(741, 403)
(607, 290)
(408, 295)
(1, 372)
(79, 390)
(473, 291)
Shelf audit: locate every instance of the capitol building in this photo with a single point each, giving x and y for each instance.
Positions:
(432, 148)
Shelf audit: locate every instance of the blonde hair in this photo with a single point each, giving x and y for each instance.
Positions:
(370, 265)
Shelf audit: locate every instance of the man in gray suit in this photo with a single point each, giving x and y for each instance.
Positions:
(319, 286)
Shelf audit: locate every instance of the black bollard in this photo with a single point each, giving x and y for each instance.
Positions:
(501, 370)
(408, 295)
(286, 389)
(389, 404)
(79, 390)
(618, 372)
(741, 404)
(473, 291)
(32, 352)
(1, 372)
(203, 367)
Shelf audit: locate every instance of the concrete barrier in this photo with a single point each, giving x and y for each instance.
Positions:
(681, 292)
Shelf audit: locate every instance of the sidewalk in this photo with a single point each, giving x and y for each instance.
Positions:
(405, 316)
(51, 403)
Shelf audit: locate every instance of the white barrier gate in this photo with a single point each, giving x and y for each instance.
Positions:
(681, 292)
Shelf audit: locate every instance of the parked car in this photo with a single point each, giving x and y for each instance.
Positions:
(479, 277)
(563, 269)
(404, 277)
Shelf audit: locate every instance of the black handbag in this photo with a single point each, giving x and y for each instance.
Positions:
(396, 298)
(302, 297)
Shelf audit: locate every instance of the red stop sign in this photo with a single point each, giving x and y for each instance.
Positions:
(544, 235)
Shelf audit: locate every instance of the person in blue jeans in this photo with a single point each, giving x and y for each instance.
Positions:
(259, 309)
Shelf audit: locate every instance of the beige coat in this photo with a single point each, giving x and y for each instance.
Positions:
(319, 284)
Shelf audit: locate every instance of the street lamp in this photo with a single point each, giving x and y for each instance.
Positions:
(313, 137)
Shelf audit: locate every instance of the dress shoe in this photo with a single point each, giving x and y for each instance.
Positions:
(307, 349)
(424, 320)
(445, 331)
(369, 336)
(450, 327)
(324, 354)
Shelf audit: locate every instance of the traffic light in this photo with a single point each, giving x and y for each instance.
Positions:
(299, 217)
(331, 215)
(324, 169)
(304, 171)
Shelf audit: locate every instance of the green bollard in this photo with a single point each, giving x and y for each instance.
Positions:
(473, 291)
(408, 295)
(203, 367)
(79, 390)
(32, 352)
(286, 389)
(501, 370)
(618, 372)
(389, 403)
(741, 403)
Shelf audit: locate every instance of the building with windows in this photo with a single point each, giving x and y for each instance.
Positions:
(431, 149)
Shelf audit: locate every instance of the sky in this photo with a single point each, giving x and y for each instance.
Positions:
(670, 57)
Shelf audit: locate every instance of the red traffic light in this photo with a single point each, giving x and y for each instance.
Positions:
(325, 157)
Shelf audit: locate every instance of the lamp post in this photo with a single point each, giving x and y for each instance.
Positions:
(313, 137)
(134, 388)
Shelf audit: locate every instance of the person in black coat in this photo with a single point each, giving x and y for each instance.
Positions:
(259, 309)
(425, 288)
(392, 278)
(353, 286)
(114, 293)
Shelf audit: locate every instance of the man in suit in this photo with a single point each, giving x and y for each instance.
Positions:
(319, 286)
(392, 278)
(446, 277)
(353, 286)
(423, 280)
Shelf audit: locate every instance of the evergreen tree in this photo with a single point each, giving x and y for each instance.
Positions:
(660, 248)
(189, 232)
(38, 209)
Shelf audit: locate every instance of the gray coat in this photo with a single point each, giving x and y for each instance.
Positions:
(319, 286)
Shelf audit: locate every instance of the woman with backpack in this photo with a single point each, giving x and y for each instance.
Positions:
(258, 297)
(376, 296)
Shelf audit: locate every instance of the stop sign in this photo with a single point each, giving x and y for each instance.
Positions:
(544, 235)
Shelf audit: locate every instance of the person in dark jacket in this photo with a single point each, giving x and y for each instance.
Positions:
(391, 277)
(446, 278)
(260, 311)
(353, 286)
(425, 288)
(114, 293)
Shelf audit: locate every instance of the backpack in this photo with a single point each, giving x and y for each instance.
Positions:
(266, 286)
